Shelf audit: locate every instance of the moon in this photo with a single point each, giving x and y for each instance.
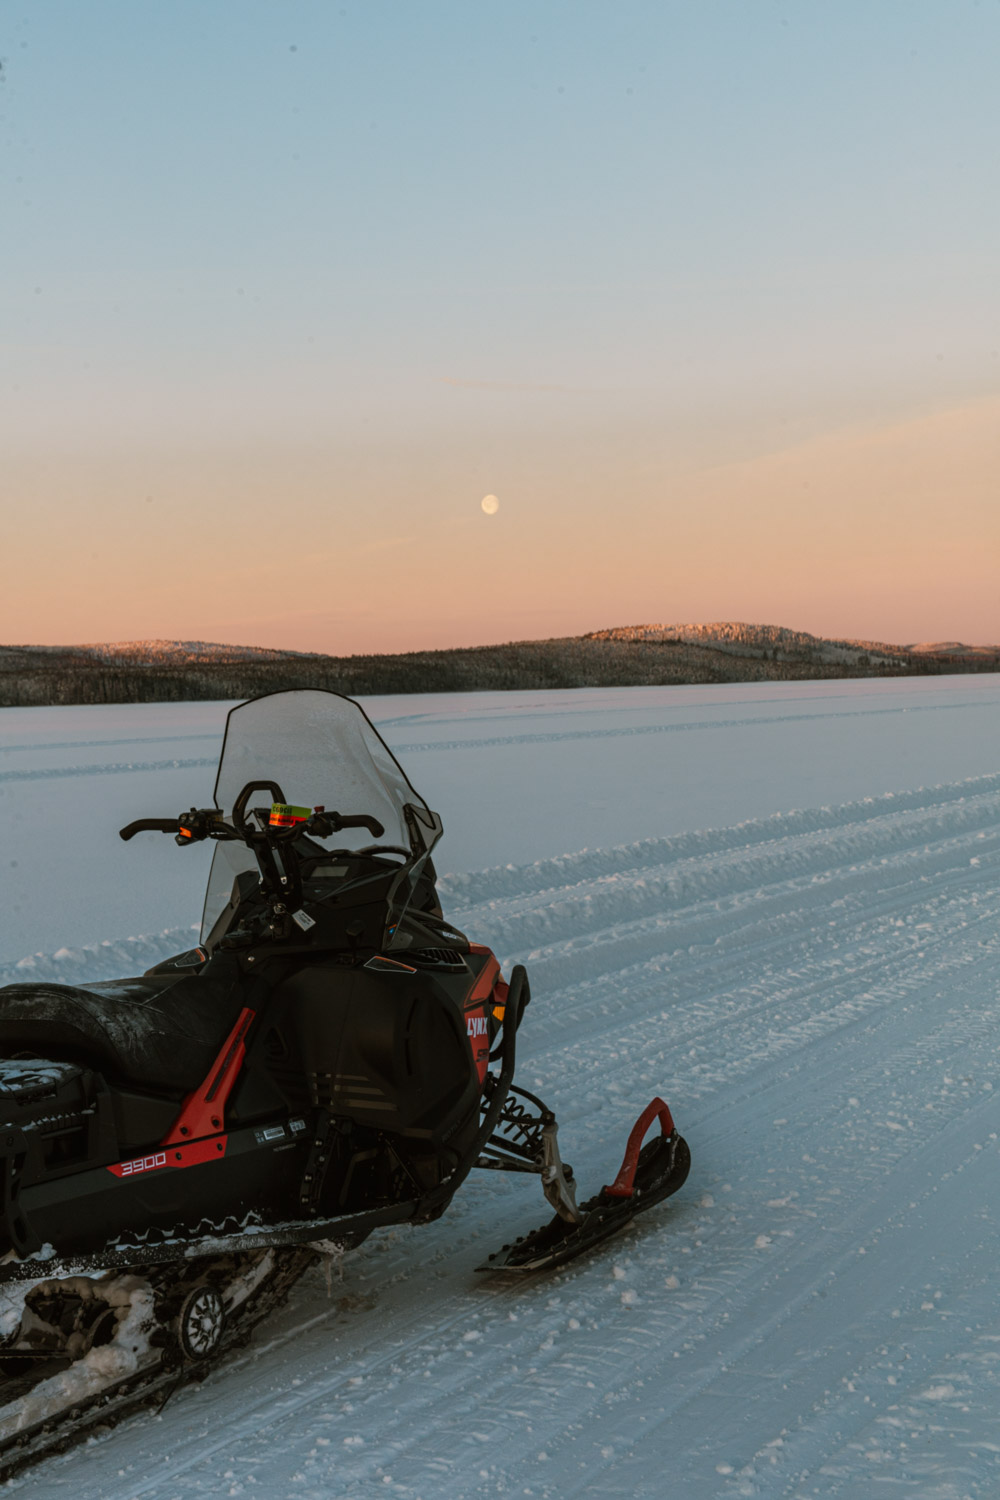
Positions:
(490, 504)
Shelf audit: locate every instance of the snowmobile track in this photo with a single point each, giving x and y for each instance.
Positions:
(115, 1403)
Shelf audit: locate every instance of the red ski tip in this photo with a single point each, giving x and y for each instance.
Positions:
(623, 1183)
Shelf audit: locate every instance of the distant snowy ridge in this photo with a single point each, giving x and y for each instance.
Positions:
(624, 656)
(952, 648)
(732, 636)
(115, 958)
(154, 653)
(151, 653)
(741, 639)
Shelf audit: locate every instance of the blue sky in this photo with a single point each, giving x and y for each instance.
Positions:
(383, 258)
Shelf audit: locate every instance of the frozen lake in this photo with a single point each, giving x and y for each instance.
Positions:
(517, 777)
(777, 906)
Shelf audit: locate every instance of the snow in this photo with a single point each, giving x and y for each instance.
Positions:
(26, 1075)
(517, 777)
(778, 906)
(126, 1353)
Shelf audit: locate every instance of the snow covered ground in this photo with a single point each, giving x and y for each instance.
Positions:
(800, 952)
(517, 777)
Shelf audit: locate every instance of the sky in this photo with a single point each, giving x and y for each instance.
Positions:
(705, 295)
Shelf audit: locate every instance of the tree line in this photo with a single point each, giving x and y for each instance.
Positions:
(35, 677)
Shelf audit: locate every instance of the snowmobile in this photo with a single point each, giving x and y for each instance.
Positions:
(176, 1149)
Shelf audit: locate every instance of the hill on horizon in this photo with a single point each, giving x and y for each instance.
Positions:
(754, 640)
(628, 655)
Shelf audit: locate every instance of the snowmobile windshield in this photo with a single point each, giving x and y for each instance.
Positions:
(322, 750)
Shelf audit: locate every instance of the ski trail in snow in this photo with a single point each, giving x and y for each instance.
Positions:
(58, 746)
(106, 768)
(471, 742)
(692, 726)
(818, 997)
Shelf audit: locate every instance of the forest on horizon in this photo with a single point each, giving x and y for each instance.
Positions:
(32, 676)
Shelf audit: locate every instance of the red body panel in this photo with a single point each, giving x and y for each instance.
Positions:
(478, 1003)
(175, 1156)
(196, 1135)
(203, 1112)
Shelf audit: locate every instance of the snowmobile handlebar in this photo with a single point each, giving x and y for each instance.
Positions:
(321, 823)
(203, 823)
(190, 828)
(148, 825)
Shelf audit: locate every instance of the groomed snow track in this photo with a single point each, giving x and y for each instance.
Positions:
(818, 997)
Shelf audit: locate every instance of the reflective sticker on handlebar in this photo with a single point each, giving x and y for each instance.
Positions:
(284, 815)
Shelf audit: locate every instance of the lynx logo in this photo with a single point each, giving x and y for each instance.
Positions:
(144, 1164)
(476, 1025)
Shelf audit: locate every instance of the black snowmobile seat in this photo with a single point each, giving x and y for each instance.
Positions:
(160, 1031)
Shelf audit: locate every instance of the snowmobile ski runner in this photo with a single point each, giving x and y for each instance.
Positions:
(648, 1174)
(175, 1147)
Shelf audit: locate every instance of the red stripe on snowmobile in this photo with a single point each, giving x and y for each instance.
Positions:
(177, 1156)
(624, 1182)
(476, 1024)
(203, 1112)
(484, 985)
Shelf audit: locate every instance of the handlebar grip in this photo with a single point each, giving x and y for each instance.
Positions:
(362, 820)
(148, 825)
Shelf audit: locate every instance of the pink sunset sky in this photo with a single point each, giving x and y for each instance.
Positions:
(706, 297)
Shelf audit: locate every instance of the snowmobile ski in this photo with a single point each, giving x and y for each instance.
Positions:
(648, 1174)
